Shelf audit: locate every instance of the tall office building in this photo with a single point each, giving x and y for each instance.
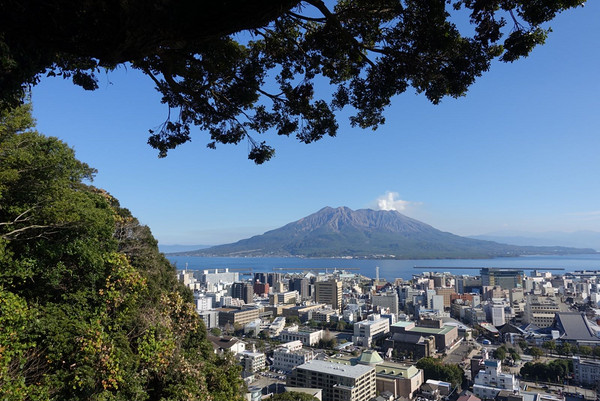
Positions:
(330, 293)
(273, 278)
(243, 291)
(505, 278)
(300, 285)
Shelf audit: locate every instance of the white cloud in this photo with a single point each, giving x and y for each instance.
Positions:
(391, 201)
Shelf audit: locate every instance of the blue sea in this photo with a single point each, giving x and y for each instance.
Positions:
(391, 269)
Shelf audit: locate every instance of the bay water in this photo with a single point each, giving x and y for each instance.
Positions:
(390, 269)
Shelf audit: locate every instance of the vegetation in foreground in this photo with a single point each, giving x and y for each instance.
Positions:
(89, 309)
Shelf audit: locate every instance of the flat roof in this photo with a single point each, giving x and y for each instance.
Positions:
(431, 330)
(336, 369)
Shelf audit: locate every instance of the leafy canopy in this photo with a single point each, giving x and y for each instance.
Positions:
(242, 68)
(89, 308)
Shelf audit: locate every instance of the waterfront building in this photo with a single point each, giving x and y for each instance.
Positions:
(505, 278)
(339, 382)
(217, 276)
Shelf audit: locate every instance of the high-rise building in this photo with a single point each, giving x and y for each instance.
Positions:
(330, 293)
(243, 291)
(387, 300)
(273, 278)
(300, 285)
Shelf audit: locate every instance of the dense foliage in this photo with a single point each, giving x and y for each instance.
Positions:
(89, 309)
(241, 67)
(293, 396)
(555, 371)
(436, 369)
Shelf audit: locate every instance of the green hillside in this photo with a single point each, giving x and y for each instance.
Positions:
(89, 309)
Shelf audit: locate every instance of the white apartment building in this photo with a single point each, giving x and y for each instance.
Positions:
(490, 380)
(367, 331)
(252, 361)
(308, 338)
(286, 359)
(277, 326)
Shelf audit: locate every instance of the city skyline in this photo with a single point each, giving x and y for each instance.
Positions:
(518, 153)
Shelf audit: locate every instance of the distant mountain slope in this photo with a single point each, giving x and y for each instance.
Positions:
(581, 239)
(366, 233)
(180, 248)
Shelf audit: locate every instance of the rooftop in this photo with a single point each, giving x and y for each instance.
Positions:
(336, 369)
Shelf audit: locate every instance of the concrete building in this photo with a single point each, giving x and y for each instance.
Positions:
(387, 300)
(218, 276)
(261, 289)
(308, 338)
(287, 359)
(586, 371)
(330, 293)
(287, 297)
(400, 380)
(277, 326)
(302, 286)
(323, 315)
(339, 382)
(243, 291)
(237, 315)
(210, 318)
(490, 380)
(445, 336)
(252, 362)
(447, 294)
(505, 278)
(540, 310)
(372, 329)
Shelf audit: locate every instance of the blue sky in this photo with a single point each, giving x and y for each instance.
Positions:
(520, 152)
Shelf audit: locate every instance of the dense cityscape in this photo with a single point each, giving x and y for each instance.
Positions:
(505, 334)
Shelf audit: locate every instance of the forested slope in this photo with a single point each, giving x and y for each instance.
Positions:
(89, 308)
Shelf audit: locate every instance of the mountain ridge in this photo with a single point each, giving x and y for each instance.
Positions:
(367, 233)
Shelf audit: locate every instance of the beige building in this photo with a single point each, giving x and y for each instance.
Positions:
(540, 310)
(330, 293)
(240, 316)
(339, 382)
